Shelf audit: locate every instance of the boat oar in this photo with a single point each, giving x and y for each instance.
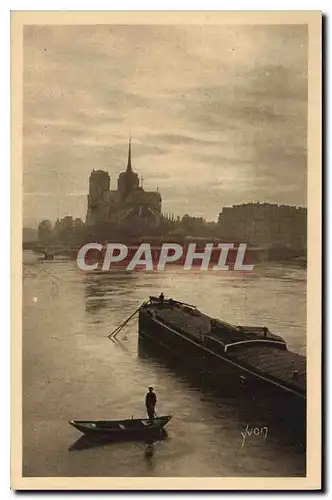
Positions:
(119, 328)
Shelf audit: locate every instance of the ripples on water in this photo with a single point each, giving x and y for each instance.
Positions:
(71, 370)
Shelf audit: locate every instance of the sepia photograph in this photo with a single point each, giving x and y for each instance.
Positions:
(166, 177)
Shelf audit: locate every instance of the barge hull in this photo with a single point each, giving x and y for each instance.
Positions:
(221, 371)
(250, 358)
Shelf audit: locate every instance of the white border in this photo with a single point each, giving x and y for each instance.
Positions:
(5, 7)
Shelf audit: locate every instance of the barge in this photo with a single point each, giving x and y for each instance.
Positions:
(241, 357)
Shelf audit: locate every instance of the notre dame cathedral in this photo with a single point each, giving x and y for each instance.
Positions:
(127, 206)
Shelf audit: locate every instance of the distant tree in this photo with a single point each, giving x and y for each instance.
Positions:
(45, 231)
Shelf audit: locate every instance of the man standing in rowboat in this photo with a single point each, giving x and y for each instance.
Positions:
(150, 403)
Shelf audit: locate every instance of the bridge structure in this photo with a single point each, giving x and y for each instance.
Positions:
(38, 247)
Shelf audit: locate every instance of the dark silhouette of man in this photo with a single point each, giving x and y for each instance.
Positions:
(150, 403)
(161, 297)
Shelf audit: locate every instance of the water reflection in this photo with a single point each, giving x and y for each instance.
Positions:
(85, 443)
(121, 345)
(97, 378)
(102, 289)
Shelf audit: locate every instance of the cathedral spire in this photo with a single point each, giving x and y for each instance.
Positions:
(129, 167)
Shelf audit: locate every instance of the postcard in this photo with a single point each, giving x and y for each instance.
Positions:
(166, 242)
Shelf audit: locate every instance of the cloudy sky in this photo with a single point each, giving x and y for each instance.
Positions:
(217, 114)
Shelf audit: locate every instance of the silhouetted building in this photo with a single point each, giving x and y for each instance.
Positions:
(265, 224)
(126, 205)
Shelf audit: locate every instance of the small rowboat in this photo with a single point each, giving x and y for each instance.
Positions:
(121, 429)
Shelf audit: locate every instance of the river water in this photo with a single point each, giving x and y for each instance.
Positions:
(71, 370)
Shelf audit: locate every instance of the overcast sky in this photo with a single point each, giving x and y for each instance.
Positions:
(217, 114)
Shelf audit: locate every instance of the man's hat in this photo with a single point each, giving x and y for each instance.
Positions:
(151, 388)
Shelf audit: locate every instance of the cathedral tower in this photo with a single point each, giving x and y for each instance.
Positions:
(128, 180)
